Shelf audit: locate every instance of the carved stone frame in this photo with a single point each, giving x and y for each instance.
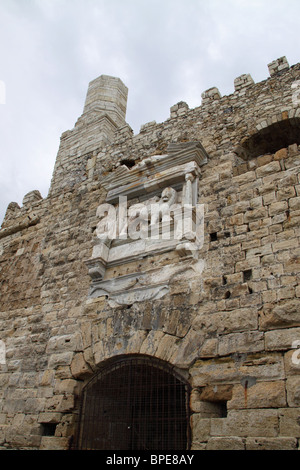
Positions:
(179, 169)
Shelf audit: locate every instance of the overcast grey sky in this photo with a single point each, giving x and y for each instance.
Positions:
(164, 51)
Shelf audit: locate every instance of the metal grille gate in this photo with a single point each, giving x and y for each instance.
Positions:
(135, 403)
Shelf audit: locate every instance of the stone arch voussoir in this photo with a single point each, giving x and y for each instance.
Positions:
(180, 352)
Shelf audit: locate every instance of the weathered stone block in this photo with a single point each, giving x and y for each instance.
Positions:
(268, 169)
(229, 370)
(79, 368)
(277, 208)
(264, 159)
(294, 203)
(257, 395)
(225, 443)
(281, 339)
(68, 342)
(247, 423)
(281, 154)
(54, 443)
(285, 245)
(48, 417)
(282, 314)
(271, 443)
(293, 391)
(60, 359)
(278, 65)
(291, 360)
(243, 81)
(293, 150)
(21, 438)
(247, 342)
(228, 322)
(289, 420)
(200, 428)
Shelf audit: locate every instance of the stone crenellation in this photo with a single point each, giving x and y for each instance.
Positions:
(219, 312)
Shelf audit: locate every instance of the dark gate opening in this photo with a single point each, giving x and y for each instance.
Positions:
(135, 403)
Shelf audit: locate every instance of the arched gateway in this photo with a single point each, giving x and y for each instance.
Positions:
(135, 403)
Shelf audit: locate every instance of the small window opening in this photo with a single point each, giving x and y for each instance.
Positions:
(222, 405)
(48, 429)
(216, 399)
(214, 409)
(227, 294)
(213, 236)
(247, 275)
(128, 163)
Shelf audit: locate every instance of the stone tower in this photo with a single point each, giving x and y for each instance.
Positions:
(151, 300)
(103, 115)
(107, 96)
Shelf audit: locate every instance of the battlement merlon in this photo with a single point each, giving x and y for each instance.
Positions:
(107, 95)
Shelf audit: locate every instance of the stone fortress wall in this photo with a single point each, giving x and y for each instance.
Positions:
(226, 315)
